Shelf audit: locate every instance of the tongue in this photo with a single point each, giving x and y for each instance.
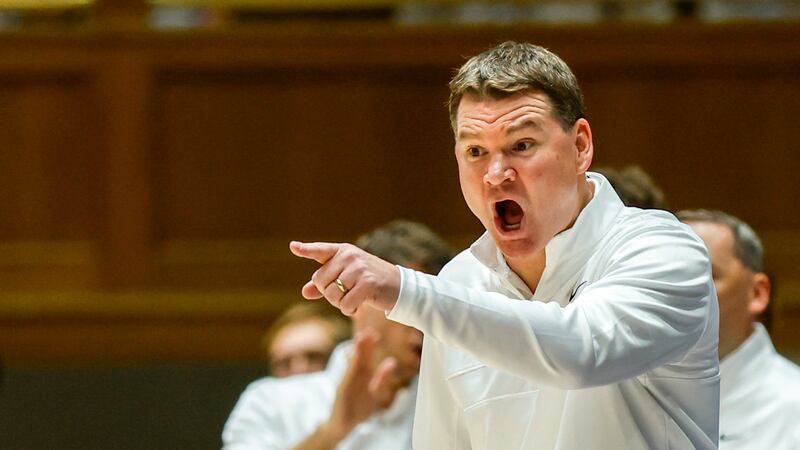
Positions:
(512, 213)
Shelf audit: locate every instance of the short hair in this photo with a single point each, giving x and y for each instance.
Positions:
(512, 68)
(341, 328)
(405, 242)
(635, 187)
(746, 244)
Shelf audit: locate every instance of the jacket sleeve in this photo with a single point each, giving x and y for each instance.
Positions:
(648, 307)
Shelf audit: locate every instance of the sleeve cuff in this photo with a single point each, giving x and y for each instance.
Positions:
(403, 310)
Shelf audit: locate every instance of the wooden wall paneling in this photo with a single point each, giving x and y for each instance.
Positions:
(198, 155)
(77, 340)
(710, 139)
(48, 134)
(125, 84)
(48, 265)
(49, 189)
(285, 154)
(782, 253)
(85, 327)
(261, 146)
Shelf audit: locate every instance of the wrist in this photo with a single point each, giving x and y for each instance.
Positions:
(331, 433)
(393, 289)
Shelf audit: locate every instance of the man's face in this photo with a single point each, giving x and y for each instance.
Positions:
(302, 347)
(734, 283)
(396, 340)
(520, 172)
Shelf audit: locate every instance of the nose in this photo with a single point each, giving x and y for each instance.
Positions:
(499, 172)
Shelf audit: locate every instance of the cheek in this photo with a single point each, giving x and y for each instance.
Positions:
(732, 302)
(724, 301)
(398, 336)
(468, 174)
(471, 183)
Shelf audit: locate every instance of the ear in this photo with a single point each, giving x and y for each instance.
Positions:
(759, 295)
(584, 145)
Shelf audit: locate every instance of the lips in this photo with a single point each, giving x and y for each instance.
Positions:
(508, 215)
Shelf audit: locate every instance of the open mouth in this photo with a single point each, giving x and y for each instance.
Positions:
(510, 215)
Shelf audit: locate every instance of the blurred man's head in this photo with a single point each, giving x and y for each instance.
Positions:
(412, 245)
(738, 269)
(634, 187)
(303, 337)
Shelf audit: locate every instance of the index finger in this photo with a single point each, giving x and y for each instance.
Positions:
(320, 252)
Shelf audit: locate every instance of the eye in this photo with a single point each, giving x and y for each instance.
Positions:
(521, 146)
(474, 152)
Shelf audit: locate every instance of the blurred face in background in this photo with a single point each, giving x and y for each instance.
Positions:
(301, 347)
(398, 341)
(742, 293)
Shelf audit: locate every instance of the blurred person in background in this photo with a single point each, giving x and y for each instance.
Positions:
(302, 338)
(635, 187)
(759, 389)
(365, 397)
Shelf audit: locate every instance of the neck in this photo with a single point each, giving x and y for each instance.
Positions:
(530, 269)
(585, 195)
(728, 344)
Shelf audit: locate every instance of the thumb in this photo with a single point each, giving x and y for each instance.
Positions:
(384, 383)
(360, 366)
(366, 341)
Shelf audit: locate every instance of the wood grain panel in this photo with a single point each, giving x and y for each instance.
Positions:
(50, 185)
(87, 327)
(146, 175)
(710, 138)
(28, 265)
(81, 341)
(309, 154)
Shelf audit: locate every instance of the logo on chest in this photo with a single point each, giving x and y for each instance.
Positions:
(575, 291)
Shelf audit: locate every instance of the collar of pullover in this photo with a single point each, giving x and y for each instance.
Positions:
(571, 247)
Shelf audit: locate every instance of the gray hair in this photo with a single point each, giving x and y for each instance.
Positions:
(513, 67)
(746, 244)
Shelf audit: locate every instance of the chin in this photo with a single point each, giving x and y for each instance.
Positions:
(516, 248)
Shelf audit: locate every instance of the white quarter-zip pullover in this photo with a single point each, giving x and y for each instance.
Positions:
(616, 349)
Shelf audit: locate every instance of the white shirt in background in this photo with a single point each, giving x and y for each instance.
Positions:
(278, 413)
(759, 397)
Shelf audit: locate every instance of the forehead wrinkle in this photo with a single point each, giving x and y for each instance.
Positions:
(485, 113)
(524, 122)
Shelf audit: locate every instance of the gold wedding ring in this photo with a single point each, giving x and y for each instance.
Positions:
(341, 286)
